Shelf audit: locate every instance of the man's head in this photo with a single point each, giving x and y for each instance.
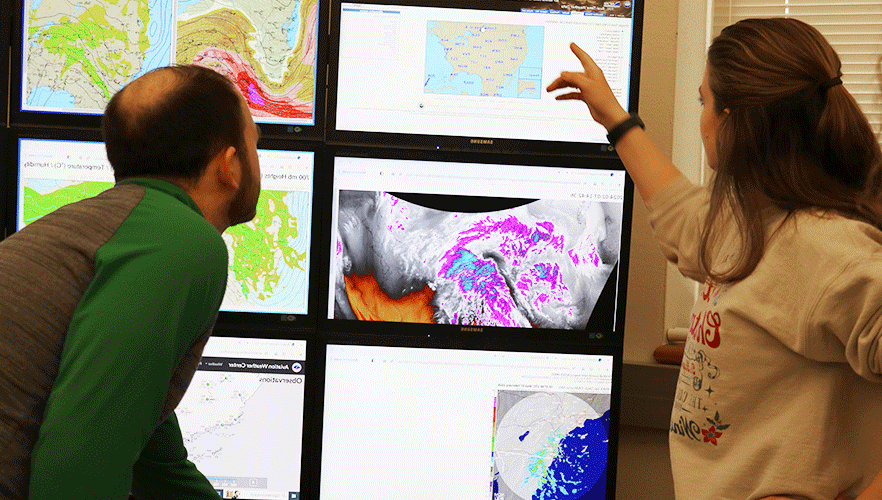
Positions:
(172, 122)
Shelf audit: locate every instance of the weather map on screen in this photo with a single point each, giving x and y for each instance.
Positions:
(484, 59)
(267, 48)
(242, 388)
(507, 425)
(269, 255)
(269, 262)
(78, 54)
(473, 70)
(472, 244)
(549, 445)
(42, 196)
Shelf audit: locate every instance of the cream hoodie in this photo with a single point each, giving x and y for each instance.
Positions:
(780, 390)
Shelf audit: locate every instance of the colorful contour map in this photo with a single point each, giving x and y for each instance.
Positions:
(79, 53)
(268, 49)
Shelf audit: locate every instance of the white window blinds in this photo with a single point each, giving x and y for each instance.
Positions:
(853, 28)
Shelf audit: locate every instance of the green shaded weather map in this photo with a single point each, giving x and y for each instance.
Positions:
(269, 256)
(42, 196)
(79, 53)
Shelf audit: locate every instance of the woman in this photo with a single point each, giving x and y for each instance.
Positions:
(780, 390)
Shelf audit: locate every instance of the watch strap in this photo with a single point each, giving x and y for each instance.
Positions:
(616, 133)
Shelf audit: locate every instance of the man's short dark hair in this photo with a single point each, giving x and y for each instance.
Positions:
(176, 132)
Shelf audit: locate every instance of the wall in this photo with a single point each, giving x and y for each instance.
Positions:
(674, 36)
(645, 315)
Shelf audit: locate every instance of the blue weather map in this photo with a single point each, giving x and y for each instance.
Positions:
(484, 59)
(550, 446)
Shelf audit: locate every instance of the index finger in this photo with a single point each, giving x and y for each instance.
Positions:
(587, 62)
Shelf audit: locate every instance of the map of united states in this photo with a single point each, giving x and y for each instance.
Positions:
(483, 59)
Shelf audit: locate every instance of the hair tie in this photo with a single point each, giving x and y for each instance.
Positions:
(830, 84)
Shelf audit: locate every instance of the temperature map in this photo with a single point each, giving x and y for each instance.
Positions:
(267, 48)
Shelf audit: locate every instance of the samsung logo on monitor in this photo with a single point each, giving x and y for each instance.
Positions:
(482, 141)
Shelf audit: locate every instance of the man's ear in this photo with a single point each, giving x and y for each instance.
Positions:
(228, 170)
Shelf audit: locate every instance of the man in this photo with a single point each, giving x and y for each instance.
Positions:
(106, 304)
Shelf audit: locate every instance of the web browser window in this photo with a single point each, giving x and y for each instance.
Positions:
(478, 72)
(449, 423)
(242, 417)
(501, 245)
(269, 255)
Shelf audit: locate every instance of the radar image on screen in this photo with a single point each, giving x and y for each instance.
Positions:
(267, 48)
(484, 59)
(77, 54)
(550, 445)
(542, 264)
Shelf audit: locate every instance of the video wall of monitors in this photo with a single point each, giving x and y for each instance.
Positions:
(436, 273)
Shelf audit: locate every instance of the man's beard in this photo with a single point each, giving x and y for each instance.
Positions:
(243, 208)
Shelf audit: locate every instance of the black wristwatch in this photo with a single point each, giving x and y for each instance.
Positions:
(619, 130)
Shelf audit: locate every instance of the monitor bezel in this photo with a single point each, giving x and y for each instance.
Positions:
(5, 40)
(462, 343)
(499, 334)
(17, 116)
(7, 197)
(464, 143)
(260, 321)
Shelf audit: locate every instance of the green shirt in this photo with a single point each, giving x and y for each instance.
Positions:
(130, 345)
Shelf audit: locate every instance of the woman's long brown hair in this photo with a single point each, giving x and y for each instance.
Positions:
(793, 137)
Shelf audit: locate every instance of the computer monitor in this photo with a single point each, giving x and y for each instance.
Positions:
(512, 423)
(432, 243)
(270, 275)
(271, 257)
(71, 58)
(242, 418)
(472, 75)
